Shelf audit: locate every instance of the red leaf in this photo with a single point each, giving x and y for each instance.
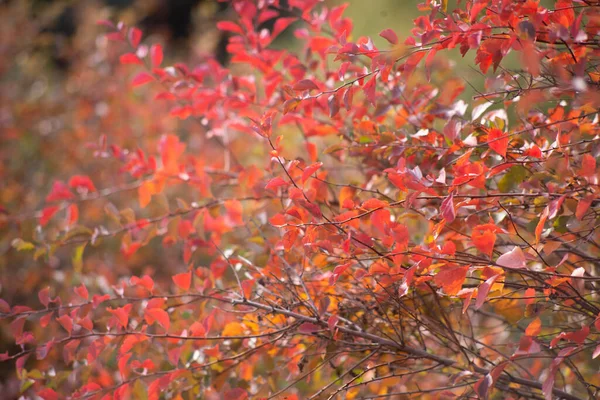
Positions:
(498, 141)
(141, 79)
(305, 84)
(47, 214)
(48, 394)
(59, 192)
(97, 299)
(389, 35)
(66, 322)
(44, 296)
(156, 55)
(369, 90)
(183, 280)
(229, 26)
(309, 327)
(235, 394)
(583, 205)
(122, 314)
(280, 25)
(130, 58)
(135, 36)
(145, 281)
(82, 292)
(533, 151)
(159, 315)
(311, 169)
(82, 181)
(337, 272)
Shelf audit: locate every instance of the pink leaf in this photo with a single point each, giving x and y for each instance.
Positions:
(484, 290)
(596, 352)
(447, 208)
(308, 327)
(514, 259)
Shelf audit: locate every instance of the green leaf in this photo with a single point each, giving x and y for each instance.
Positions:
(512, 178)
(78, 258)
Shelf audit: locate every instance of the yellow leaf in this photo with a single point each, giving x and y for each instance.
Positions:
(233, 329)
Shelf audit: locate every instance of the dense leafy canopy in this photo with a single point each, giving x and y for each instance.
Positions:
(333, 221)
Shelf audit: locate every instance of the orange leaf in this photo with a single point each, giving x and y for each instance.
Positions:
(540, 226)
(534, 328)
(291, 105)
(145, 192)
(233, 329)
(484, 240)
(588, 166)
(374, 203)
(276, 182)
(247, 286)
(183, 280)
(451, 279)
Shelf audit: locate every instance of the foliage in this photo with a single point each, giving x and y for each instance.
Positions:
(332, 222)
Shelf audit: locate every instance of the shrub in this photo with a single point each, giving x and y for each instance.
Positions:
(330, 221)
